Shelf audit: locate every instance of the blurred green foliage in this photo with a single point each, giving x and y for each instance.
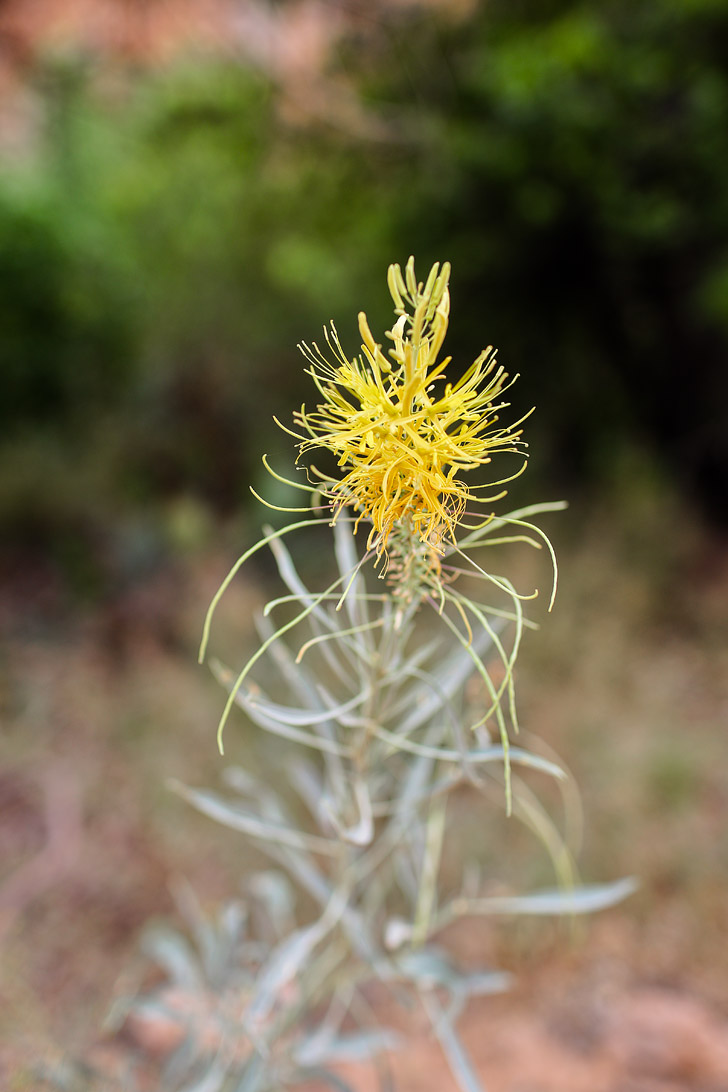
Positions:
(168, 239)
(578, 152)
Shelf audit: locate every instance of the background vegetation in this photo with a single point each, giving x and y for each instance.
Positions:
(168, 234)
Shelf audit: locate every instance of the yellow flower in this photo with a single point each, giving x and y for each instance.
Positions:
(401, 433)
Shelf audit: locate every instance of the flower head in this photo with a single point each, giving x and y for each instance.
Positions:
(401, 433)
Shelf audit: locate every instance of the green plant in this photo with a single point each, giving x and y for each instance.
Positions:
(401, 696)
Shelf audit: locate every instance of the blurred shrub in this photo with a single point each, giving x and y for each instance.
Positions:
(573, 164)
(160, 256)
(170, 239)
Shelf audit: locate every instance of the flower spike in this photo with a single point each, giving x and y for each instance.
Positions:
(400, 432)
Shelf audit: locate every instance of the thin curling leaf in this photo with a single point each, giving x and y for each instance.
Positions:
(424, 712)
(281, 599)
(286, 731)
(442, 683)
(260, 652)
(549, 546)
(508, 661)
(303, 717)
(495, 709)
(477, 756)
(336, 635)
(303, 685)
(347, 559)
(352, 579)
(271, 537)
(499, 582)
(529, 810)
(249, 823)
(279, 727)
(573, 808)
(293, 582)
(550, 902)
(500, 613)
(297, 677)
(479, 537)
(496, 523)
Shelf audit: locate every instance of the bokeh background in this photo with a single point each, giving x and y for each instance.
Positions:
(187, 189)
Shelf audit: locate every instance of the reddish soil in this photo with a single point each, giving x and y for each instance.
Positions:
(586, 1039)
(557, 1032)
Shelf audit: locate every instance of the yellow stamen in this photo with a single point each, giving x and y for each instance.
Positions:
(400, 433)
